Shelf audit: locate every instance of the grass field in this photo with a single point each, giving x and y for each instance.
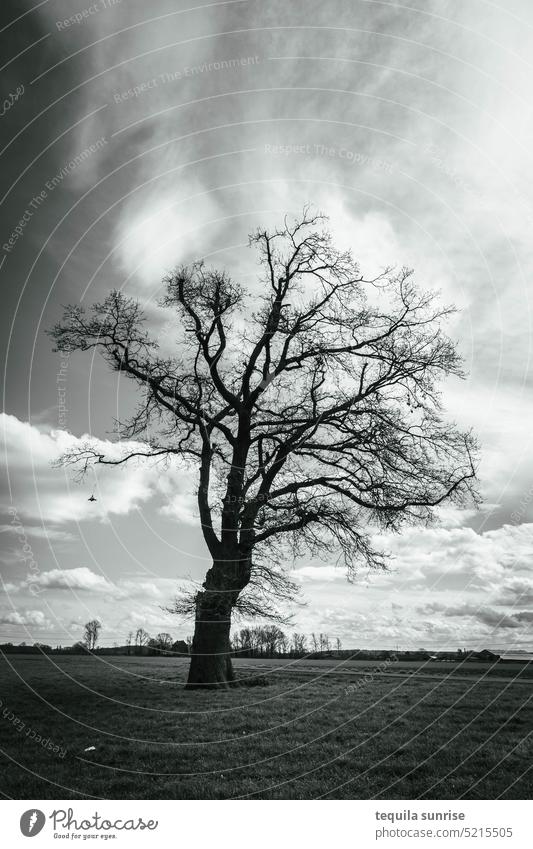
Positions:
(308, 731)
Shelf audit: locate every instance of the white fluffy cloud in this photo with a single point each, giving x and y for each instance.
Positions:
(49, 495)
(447, 586)
(77, 579)
(82, 579)
(68, 598)
(35, 618)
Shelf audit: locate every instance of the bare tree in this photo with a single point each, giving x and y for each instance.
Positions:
(257, 640)
(338, 645)
(152, 646)
(245, 642)
(283, 644)
(129, 641)
(142, 638)
(273, 639)
(312, 416)
(299, 644)
(90, 634)
(163, 643)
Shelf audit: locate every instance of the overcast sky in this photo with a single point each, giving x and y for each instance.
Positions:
(135, 136)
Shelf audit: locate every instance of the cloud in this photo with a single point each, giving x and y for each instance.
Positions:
(319, 572)
(77, 579)
(45, 494)
(27, 617)
(485, 615)
(82, 579)
(460, 559)
(517, 591)
(447, 586)
(149, 237)
(38, 532)
(72, 596)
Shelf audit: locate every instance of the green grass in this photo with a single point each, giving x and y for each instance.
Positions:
(300, 737)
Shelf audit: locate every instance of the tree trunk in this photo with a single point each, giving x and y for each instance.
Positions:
(211, 666)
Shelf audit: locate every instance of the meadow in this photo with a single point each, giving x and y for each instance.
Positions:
(305, 730)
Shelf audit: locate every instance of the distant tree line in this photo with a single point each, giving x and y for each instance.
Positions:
(259, 641)
(140, 643)
(271, 641)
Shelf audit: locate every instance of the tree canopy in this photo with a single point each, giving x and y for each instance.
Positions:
(309, 406)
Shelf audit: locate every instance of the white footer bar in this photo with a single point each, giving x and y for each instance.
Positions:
(257, 824)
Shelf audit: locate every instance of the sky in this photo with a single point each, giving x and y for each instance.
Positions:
(138, 136)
